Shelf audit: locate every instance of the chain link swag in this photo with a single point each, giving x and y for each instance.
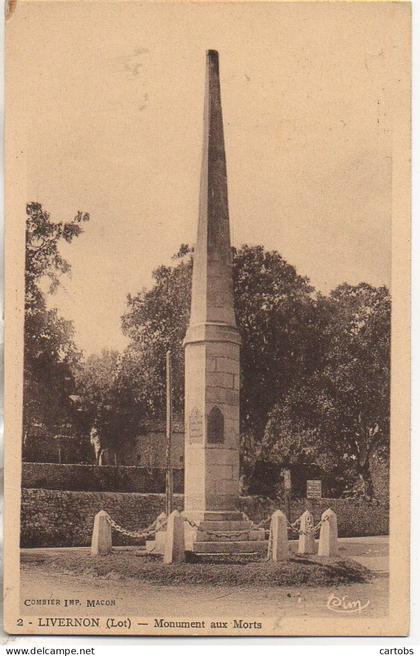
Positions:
(160, 523)
(146, 533)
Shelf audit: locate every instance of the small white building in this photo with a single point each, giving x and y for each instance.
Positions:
(149, 447)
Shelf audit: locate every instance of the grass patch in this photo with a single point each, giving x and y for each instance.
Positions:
(230, 571)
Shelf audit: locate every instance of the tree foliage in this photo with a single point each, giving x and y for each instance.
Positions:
(42, 254)
(275, 310)
(108, 399)
(155, 322)
(314, 368)
(339, 417)
(50, 353)
(280, 328)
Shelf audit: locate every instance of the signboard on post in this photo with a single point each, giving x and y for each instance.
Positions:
(314, 489)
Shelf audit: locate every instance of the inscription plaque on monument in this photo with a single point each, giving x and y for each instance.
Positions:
(195, 426)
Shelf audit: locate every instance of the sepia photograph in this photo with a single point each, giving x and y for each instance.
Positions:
(207, 318)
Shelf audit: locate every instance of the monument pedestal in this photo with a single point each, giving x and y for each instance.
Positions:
(216, 532)
(223, 533)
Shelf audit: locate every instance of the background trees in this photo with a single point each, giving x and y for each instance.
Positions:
(156, 320)
(338, 418)
(277, 319)
(109, 400)
(315, 369)
(50, 353)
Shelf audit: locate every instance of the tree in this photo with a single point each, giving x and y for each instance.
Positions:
(357, 375)
(281, 333)
(276, 314)
(300, 435)
(42, 255)
(314, 368)
(156, 320)
(108, 399)
(50, 354)
(339, 416)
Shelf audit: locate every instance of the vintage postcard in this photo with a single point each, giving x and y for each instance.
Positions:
(207, 318)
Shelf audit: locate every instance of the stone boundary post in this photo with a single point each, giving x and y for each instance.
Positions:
(328, 537)
(102, 535)
(175, 541)
(306, 536)
(279, 544)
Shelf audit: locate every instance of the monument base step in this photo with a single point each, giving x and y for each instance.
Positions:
(215, 532)
(230, 547)
(214, 515)
(231, 535)
(204, 542)
(225, 525)
(157, 547)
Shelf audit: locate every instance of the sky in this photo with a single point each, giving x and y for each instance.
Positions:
(112, 102)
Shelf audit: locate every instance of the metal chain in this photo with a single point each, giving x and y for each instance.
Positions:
(191, 523)
(312, 530)
(229, 535)
(294, 526)
(157, 525)
(262, 523)
(148, 532)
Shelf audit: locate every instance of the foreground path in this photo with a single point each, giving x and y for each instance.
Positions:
(134, 597)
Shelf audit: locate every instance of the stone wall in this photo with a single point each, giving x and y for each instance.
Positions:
(61, 518)
(379, 471)
(354, 517)
(95, 478)
(52, 518)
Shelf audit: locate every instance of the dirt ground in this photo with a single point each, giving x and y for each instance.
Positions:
(136, 597)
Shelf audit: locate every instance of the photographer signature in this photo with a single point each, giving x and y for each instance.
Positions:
(345, 605)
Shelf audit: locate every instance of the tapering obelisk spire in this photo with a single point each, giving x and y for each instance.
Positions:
(212, 340)
(212, 296)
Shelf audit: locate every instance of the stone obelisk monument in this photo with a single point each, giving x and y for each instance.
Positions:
(212, 345)
(212, 341)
